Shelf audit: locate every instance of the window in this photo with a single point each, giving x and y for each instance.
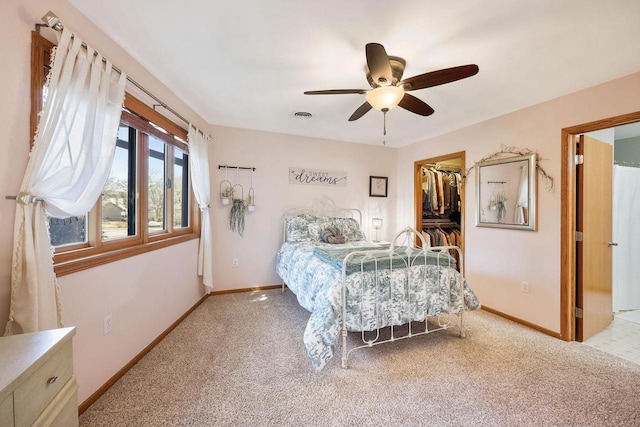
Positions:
(147, 201)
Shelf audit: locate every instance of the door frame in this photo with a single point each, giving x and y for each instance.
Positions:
(417, 189)
(568, 217)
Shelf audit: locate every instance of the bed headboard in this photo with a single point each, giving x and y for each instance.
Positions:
(321, 207)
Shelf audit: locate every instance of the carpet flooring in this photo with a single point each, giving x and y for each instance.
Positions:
(239, 360)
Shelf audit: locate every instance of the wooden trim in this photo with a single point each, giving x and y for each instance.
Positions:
(522, 322)
(86, 250)
(257, 288)
(94, 252)
(106, 386)
(568, 215)
(143, 125)
(567, 238)
(134, 104)
(417, 195)
(96, 259)
(610, 122)
(40, 52)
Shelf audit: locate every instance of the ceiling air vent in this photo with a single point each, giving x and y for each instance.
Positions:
(303, 115)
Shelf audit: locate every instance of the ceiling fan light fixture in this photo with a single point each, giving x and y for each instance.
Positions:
(385, 97)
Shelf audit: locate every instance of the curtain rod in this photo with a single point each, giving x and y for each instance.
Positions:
(236, 167)
(53, 22)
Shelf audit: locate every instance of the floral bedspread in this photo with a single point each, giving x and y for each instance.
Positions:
(317, 285)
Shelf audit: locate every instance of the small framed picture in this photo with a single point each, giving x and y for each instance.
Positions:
(378, 186)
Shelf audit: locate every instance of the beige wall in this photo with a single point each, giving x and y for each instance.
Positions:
(144, 294)
(272, 155)
(498, 260)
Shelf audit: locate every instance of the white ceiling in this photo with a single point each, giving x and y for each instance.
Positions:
(246, 63)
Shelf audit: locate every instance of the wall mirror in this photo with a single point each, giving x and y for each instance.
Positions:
(506, 193)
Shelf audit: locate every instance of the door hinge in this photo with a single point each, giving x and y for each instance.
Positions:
(579, 159)
(579, 236)
(578, 313)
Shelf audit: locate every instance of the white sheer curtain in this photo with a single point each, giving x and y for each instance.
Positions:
(69, 165)
(626, 232)
(199, 165)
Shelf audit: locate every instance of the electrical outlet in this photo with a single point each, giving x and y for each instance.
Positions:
(235, 262)
(525, 287)
(106, 324)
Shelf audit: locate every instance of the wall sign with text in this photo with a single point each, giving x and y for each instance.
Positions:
(317, 177)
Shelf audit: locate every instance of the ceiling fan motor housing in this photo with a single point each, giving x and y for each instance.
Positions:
(397, 69)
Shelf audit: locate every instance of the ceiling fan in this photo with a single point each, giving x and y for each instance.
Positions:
(384, 74)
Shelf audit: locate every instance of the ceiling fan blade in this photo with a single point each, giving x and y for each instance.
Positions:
(361, 111)
(336, 92)
(415, 105)
(435, 78)
(379, 65)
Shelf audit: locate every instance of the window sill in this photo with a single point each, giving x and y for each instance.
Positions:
(91, 261)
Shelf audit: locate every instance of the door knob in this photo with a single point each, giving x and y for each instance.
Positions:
(612, 244)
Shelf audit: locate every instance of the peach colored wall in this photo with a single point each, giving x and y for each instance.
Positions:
(498, 260)
(148, 292)
(145, 294)
(272, 154)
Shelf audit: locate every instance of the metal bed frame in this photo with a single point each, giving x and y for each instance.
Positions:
(405, 238)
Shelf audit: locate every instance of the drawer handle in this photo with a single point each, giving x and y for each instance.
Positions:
(52, 379)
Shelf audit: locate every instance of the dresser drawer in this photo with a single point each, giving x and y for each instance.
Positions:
(36, 392)
(63, 410)
(6, 411)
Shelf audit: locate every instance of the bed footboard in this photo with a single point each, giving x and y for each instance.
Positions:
(403, 310)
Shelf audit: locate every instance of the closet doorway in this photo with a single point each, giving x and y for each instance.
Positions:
(589, 232)
(439, 199)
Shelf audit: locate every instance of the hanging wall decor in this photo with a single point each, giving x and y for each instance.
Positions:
(506, 193)
(234, 194)
(508, 152)
(317, 177)
(251, 199)
(226, 189)
(236, 214)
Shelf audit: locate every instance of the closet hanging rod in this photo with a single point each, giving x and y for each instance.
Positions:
(444, 167)
(53, 22)
(438, 222)
(496, 182)
(236, 167)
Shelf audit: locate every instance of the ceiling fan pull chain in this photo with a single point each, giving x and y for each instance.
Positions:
(384, 139)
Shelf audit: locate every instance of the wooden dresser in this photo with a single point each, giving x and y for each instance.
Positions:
(37, 386)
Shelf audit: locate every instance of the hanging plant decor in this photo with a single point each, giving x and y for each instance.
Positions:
(234, 194)
(236, 216)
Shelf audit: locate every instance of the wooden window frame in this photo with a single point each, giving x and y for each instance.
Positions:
(76, 257)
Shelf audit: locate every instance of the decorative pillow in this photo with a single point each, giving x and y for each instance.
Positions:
(350, 228)
(309, 228)
(298, 229)
(305, 228)
(319, 224)
(332, 235)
